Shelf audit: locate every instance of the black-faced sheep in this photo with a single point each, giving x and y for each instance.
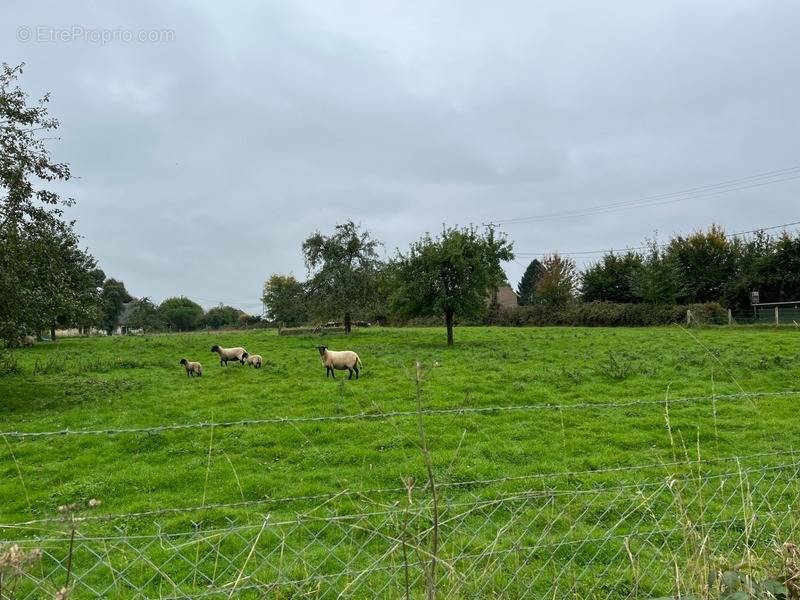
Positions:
(339, 360)
(253, 359)
(226, 354)
(192, 368)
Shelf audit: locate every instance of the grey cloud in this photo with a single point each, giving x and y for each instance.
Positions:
(261, 123)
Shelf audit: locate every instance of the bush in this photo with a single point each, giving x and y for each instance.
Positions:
(606, 314)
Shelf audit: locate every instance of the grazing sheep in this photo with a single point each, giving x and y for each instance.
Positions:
(341, 360)
(253, 359)
(226, 354)
(27, 341)
(192, 368)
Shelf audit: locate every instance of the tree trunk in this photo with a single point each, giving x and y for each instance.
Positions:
(53, 332)
(347, 322)
(448, 318)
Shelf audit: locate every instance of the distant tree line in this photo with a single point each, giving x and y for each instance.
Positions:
(706, 266)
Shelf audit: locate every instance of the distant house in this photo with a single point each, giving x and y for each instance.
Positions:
(124, 316)
(504, 297)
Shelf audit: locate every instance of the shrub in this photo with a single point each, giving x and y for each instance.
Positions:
(606, 314)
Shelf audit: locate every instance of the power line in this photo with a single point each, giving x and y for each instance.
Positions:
(732, 185)
(662, 245)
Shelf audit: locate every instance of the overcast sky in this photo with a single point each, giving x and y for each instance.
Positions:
(205, 157)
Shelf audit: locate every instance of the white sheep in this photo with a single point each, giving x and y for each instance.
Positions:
(192, 368)
(340, 360)
(27, 341)
(253, 359)
(226, 354)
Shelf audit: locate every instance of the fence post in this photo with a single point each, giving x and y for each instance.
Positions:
(730, 317)
(688, 316)
(777, 317)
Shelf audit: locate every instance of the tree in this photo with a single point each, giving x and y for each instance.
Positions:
(342, 269)
(526, 289)
(558, 281)
(449, 274)
(145, 316)
(704, 263)
(222, 316)
(778, 275)
(43, 271)
(656, 282)
(612, 278)
(180, 313)
(285, 299)
(112, 298)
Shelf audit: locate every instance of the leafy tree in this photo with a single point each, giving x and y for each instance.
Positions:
(449, 274)
(526, 289)
(112, 298)
(342, 269)
(181, 313)
(145, 316)
(285, 299)
(612, 278)
(778, 274)
(222, 316)
(704, 263)
(559, 279)
(43, 272)
(656, 282)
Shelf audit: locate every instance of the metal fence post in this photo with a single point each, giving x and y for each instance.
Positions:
(777, 317)
(688, 316)
(730, 317)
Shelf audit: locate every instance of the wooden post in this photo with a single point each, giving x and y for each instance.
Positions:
(688, 316)
(730, 317)
(777, 317)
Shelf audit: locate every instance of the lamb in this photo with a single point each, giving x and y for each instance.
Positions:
(341, 360)
(27, 341)
(192, 368)
(253, 359)
(226, 354)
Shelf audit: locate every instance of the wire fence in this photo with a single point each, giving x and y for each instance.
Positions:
(660, 536)
(651, 530)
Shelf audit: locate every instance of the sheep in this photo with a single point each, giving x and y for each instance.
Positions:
(27, 341)
(253, 359)
(192, 368)
(341, 360)
(226, 354)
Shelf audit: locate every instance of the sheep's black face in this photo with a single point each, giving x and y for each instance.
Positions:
(214, 348)
(183, 361)
(322, 350)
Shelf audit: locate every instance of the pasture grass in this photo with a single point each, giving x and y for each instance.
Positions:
(129, 382)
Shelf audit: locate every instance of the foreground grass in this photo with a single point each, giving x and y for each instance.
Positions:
(129, 382)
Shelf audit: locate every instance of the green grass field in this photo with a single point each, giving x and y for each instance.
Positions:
(548, 532)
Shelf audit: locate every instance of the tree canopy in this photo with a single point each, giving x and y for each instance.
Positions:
(181, 313)
(285, 299)
(526, 289)
(45, 277)
(449, 274)
(342, 270)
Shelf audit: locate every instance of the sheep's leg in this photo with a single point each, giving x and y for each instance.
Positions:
(351, 372)
(356, 370)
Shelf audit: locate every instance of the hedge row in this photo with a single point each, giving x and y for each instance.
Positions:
(607, 314)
